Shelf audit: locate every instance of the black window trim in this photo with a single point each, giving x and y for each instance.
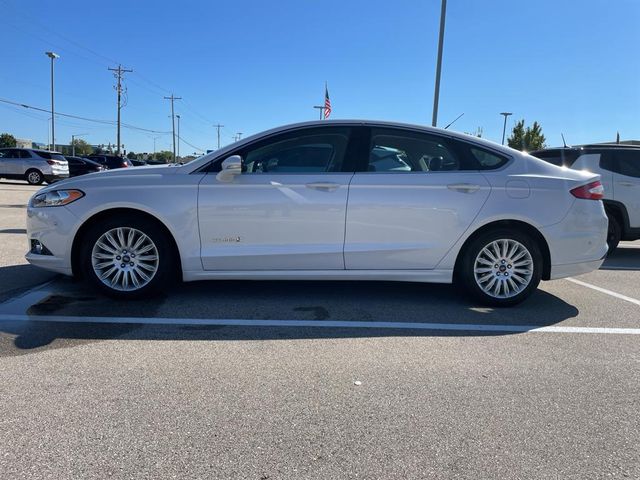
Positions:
(348, 163)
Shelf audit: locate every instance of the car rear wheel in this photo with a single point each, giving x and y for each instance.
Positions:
(614, 233)
(34, 177)
(501, 268)
(128, 257)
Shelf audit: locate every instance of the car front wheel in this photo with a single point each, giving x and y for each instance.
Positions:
(127, 257)
(501, 268)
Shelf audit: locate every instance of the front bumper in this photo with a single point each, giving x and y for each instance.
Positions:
(54, 228)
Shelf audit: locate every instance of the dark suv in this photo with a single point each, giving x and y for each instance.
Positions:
(619, 167)
(111, 161)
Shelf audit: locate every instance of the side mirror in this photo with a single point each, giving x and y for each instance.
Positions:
(231, 167)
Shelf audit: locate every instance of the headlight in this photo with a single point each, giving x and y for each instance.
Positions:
(56, 198)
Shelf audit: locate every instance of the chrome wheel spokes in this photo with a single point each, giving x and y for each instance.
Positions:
(125, 259)
(503, 268)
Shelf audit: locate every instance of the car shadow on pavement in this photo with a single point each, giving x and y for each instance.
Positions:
(264, 300)
(623, 258)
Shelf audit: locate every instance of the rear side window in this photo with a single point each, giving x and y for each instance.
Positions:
(626, 162)
(561, 158)
(49, 155)
(399, 151)
(487, 160)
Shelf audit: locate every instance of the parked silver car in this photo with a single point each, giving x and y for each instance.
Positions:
(34, 166)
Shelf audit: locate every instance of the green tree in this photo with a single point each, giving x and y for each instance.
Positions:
(82, 147)
(164, 156)
(7, 140)
(526, 139)
(132, 156)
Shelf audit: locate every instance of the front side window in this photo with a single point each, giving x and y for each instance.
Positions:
(396, 151)
(305, 152)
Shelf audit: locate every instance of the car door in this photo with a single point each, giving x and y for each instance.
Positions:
(411, 202)
(11, 163)
(626, 183)
(286, 211)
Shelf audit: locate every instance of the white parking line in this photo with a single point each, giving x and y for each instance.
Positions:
(604, 290)
(325, 324)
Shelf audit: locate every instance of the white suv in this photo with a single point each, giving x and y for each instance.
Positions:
(619, 169)
(34, 166)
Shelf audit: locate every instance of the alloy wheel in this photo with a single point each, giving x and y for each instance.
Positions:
(125, 259)
(503, 268)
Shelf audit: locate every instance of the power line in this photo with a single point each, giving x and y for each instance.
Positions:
(105, 122)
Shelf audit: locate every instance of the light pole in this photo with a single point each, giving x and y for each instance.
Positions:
(73, 142)
(178, 117)
(504, 127)
(52, 56)
(436, 93)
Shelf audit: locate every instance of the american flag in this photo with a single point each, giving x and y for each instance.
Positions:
(327, 102)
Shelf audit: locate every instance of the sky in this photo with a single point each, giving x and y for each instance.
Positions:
(251, 65)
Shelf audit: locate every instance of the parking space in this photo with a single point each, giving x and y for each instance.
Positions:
(131, 398)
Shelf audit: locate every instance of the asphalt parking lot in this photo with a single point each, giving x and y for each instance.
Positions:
(315, 380)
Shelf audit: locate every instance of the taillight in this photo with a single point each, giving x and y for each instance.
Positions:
(590, 191)
(125, 164)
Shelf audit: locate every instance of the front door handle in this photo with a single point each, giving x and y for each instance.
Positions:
(464, 187)
(327, 186)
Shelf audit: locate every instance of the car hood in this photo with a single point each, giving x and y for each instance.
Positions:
(110, 175)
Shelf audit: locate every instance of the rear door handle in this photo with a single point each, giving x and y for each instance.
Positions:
(627, 184)
(464, 187)
(327, 186)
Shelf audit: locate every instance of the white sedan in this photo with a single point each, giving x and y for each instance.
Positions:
(330, 200)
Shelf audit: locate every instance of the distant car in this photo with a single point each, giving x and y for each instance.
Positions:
(82, 166)
(619, 169)
(111, 161)
(138, 163)
(34, 166)
(301, 202)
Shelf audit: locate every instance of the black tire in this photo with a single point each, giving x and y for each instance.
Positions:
(614, 233)
(165, 273)
(466, 267)
(34, 177)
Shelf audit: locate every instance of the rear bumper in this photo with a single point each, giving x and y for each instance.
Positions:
(54, 177)
(563, 271)
(578, 244)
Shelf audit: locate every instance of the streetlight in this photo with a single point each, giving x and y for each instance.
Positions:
(436, 93)
(73, 142)
(504, 128)
(52, 56)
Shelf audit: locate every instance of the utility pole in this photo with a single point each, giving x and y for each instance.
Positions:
(239, 134)
(504, 127)
(436, 93)
(173, 123)
(118, 74)
(178, 117)
(218, 126)
(321, 108)
(52, 56)
(73, 142)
